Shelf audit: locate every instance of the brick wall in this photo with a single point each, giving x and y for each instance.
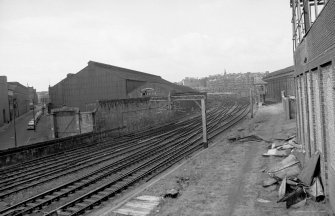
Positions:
(301, 116)
(328, 113)
(310, 94)
(137, 113)
(314, 59)
(305, 112)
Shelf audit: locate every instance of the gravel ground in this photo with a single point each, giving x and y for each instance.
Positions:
(226, 179)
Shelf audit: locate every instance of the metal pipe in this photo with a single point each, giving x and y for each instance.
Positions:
(34, 116)
(316, 8)
(14, 107)
(299, 21)
(294, 27)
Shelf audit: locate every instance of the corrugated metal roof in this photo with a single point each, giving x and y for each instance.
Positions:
(127, 73)
(139, 76)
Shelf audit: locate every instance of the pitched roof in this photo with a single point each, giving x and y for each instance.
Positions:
(288, 71)
(140, 76)
(127, 73)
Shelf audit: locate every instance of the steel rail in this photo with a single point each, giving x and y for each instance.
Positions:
(89, 200)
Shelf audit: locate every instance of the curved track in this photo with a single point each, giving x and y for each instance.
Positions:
(131, 159)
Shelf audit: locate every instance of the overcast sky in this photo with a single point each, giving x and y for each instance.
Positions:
(43, 40)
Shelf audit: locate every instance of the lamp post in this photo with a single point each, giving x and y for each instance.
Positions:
(34, 115)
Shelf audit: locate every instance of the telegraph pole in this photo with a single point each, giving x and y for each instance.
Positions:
(251, 105)
(14, 107)
(204, 123)
(34, 115)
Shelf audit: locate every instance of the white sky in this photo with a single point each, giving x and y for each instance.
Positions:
(43, 40)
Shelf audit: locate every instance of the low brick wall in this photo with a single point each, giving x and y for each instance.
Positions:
(114, 117)
(43, 149)
(137, 113)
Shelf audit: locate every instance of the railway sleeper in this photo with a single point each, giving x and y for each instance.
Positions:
(82, 205)
(97, 196)
(63, 213)
(74, 209)
(90, 200)
(104, 193)
(49, 197)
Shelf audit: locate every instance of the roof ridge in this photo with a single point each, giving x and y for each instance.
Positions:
(121, 68)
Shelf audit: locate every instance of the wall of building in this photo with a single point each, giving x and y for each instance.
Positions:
(32, 95)
(68, 121)
(315, 81)
(4, 106)
(151, 89)
(278, 81)
(21, 95)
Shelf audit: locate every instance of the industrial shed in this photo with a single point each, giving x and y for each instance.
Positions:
(278, 81)
(98, 81)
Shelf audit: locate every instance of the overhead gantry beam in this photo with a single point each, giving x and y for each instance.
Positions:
(190, 97)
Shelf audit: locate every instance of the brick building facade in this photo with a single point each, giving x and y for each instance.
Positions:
(314, 61)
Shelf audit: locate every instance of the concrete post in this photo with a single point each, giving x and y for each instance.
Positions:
(169, 101)
(204, 123)
(251, 105)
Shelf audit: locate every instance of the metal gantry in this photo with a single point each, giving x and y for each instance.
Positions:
(304, 14)
(190, 97)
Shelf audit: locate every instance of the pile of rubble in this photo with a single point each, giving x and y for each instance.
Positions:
(297, 184)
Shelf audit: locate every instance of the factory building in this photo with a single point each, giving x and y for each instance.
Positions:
(18, 94)
(98, 81)
(4, 106)
(278, 81)
(314, 62)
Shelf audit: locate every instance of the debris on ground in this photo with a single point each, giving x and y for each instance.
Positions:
(296, 184)
(282, 189)
(263, 200)
(310, 169)
(251, 138)
(315, 191)
(276, 152)
(171, 193)
(289, 167)
(283, 148)
(269, 181)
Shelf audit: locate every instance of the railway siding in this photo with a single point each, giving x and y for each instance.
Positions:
(150, 152)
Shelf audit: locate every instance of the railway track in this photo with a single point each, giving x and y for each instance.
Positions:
(20, 182)
(151, 155)
(16, 177)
